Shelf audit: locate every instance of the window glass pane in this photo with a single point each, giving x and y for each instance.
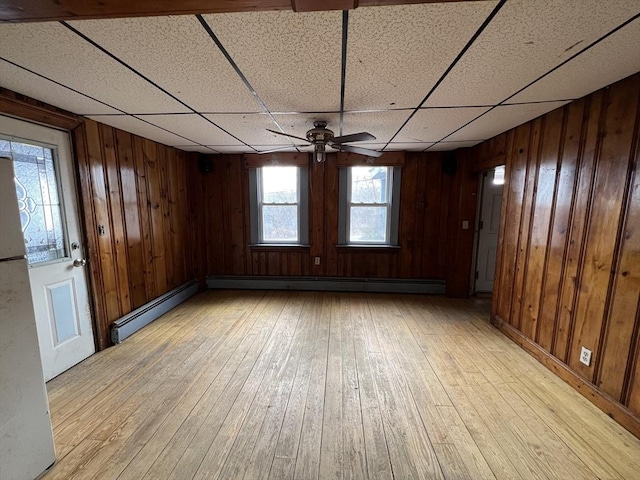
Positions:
(369, 184)
(279, 223)
(279, 184)
(368, 224)
(38, 200)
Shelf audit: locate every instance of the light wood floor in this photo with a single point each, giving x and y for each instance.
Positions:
(325, 385)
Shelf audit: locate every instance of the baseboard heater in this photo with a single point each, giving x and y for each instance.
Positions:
(331, 284)
(134, 321)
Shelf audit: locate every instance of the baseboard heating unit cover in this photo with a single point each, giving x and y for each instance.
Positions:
(134, 321)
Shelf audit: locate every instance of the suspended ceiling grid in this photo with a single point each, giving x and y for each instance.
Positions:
(418, 77)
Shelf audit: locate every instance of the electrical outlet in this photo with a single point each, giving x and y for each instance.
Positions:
(585, 356)
(316, 260)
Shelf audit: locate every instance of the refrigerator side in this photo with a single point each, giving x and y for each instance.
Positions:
(26, 440)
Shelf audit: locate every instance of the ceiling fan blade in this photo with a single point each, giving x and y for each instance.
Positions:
(280, 149)
(287, 135)
(361, 151)
(354, 137)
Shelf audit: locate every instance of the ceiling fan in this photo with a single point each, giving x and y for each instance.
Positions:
(321, 137)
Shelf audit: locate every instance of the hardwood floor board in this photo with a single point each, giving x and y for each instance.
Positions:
(353, 440)
(262, 456)
(284, 461)
(229, 390)
(307, 385)
(247, 434)
(159, 457)
(331, 452)
(309, 446)
(376, 449)
(410, 450)
(129, 392)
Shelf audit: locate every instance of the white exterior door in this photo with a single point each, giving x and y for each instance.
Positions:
(45, 186)
(489, 227)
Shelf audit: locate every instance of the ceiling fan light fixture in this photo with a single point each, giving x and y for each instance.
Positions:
(319, 153)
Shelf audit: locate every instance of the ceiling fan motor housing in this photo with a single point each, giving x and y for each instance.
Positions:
(320, 133)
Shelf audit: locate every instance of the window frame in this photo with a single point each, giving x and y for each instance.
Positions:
(392, 204)
(257, 204)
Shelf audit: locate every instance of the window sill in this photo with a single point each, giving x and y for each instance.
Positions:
(368, 248)
(279, 247)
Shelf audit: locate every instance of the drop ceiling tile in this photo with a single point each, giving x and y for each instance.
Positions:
(501, 119)
(382, 125)
(606, 63)
(140, 128)
(448, 146)
(525, 40)
(178, 54)
(193, 127)
(52, 50)
(291, 59)
(253, 128)
(397, 53)
(397, 146)
(431, 125)
(27, 83)
(196, 148)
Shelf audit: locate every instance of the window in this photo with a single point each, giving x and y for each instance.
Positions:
(278, 205)
(369, 206)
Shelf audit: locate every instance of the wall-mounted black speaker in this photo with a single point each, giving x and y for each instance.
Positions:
(205, 164)
(449, 163)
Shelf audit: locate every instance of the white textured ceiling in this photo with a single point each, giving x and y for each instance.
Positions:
(423, 76)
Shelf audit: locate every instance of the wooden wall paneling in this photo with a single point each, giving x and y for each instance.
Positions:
(331, 198)
(612, 173)
(419, 256)
(164, 159)
(79, 136)
(131, 217)
(526, 223)
(464, 197)
(621, 333)
(450, 188)
(235, 212)
(317, 216)
(214, 205)
(106, 256)
(427, 217)
(498, 283)
(558, 236)
(541, 213)
(197, 224)
(514, 196)
(144, 210)
(156, 214)
(175, 232)
(581, 204)
(408, 241)
(116, 216)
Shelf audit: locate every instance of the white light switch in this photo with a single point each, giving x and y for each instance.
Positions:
(465, 224)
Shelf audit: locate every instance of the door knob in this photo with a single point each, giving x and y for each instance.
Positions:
(79, 262)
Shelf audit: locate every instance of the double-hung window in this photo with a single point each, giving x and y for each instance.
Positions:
(278, 205)
(369, 205)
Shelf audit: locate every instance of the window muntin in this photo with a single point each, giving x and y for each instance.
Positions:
(369, 193)
(279, 204)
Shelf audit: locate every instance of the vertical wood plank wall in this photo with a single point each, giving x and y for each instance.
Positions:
(569, 256)
(136, 190)
(430, 202)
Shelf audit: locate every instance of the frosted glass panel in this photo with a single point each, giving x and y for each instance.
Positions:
(38, 200)
(64, 316)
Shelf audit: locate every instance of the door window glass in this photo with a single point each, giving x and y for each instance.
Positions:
(38, 200)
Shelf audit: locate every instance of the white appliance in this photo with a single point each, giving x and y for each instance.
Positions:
(26, 439)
